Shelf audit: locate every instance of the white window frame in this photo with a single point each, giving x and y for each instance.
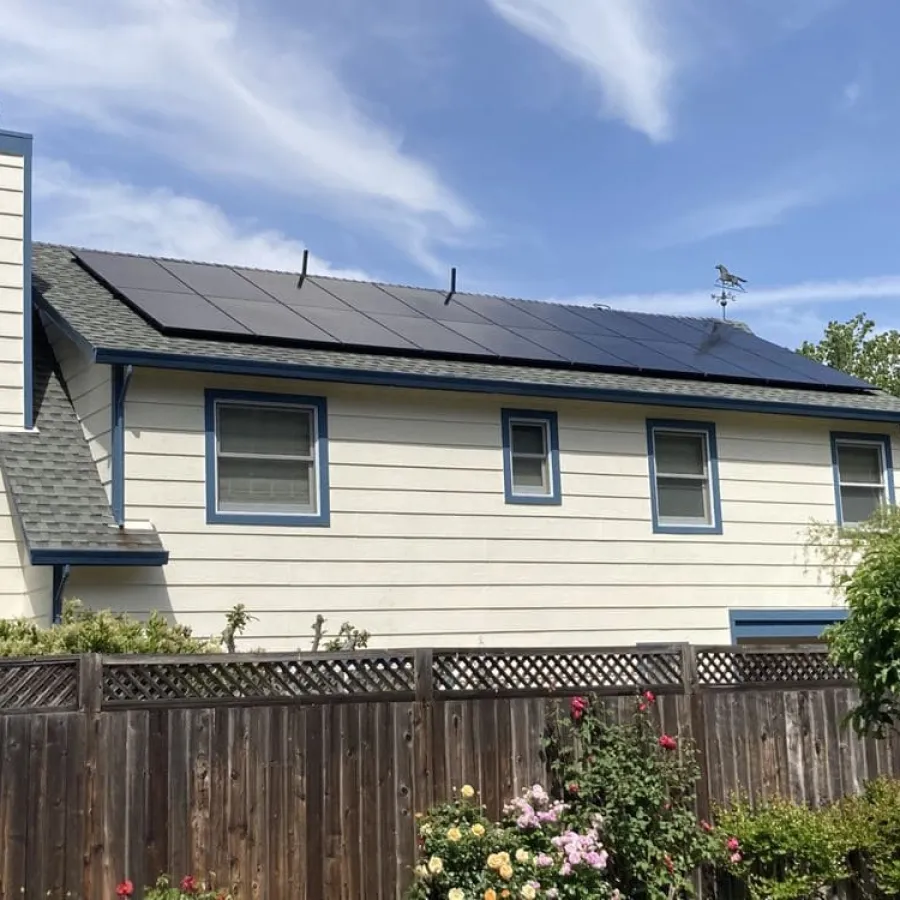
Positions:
(319, 513)
(710, 477)
(547, 421)
(879, 442)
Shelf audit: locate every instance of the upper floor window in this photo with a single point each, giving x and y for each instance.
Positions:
(531, 457)
(684, 477)
(863, 475)
(267, 459)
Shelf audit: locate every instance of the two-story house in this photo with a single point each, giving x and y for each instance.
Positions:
(437, 467)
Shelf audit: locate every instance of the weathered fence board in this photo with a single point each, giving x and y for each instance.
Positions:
(292, 780)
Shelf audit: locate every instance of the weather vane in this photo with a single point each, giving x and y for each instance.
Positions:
(727, 284)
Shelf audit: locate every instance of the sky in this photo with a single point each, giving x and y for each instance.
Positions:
(588, 151)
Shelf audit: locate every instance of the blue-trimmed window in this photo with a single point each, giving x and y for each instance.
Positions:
(531, 456)
(782, 626)
(266, 459)
(684, 477)
(863, 475)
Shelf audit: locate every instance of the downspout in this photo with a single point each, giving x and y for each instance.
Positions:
(121, 377)
(60, 577)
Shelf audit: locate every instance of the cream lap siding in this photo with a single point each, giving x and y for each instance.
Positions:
(90, 389)
(12, 251)
(24, 589)
(423, 549)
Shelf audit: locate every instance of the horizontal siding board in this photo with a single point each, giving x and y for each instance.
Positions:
(421, 541)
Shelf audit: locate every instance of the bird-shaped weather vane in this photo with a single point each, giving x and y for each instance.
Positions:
(727, 283)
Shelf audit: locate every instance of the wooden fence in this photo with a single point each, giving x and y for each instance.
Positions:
(297, 778)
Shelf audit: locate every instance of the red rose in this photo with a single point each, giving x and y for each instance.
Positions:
(189, 885)
(125, 889)
(649, 696)
(578, 706)
(642, 707)
(667, 742)
(572, 788)
(706, 826)
(733, 844)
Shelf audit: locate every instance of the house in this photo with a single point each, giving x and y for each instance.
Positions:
(436, 467)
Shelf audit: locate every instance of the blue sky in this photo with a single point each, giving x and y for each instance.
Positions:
(582, 150)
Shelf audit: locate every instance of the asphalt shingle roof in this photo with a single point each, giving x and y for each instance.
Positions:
(73, 296)
(53, 480)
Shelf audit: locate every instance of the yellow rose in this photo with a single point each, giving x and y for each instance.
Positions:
(454, 834)
(435, 865)
(528, 892)
(421, 871)
(521, 855)
(456, 894)
(478, 829)
(425, 829)
(490, 894)
(494, 861)
(506, 871)
(467, 792)
(503, 856)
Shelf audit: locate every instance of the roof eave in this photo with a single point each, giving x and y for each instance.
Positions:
(61, 556)
(230, 366)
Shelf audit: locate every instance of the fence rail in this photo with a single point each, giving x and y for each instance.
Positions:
(299, 776)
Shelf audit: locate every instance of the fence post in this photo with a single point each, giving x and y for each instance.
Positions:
(424, 728)
(697, 712)
(90, 700)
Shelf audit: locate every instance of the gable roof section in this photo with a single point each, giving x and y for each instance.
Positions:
(113, 333)
(55, 487)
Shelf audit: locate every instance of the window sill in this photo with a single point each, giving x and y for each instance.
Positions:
(660, 528)
(534, 499)
(287, 520)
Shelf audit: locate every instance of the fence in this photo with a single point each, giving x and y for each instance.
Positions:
(299, 777)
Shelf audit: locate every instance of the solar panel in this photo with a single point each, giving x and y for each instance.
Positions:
(187, 312)
(620, 323)
(365, 297)
(504, 343)
(640, 355)
(570, 347)
(254, 305)
(498, 310)
(214, 281)
(432, 304)
(351, 327)
(565, 318)
(132, 272)
(283, 287)
(272, 319)
(430, 335)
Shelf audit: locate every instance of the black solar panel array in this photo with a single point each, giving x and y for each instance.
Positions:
(216, 300)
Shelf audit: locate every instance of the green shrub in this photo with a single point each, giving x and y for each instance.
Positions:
(872, 826)
(642, 784)
(783, 851)
(85, 631)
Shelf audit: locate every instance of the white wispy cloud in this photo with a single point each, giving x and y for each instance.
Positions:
(741, 213)
(207, 85)
(623, 46)
(87, 211)
(805, 293)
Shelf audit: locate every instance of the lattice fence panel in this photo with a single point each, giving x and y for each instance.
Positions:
(50, 684)
(141, 683)
(728, 667)
(555, 672)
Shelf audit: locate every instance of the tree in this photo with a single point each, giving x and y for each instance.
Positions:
(855, 347)
(863, 563)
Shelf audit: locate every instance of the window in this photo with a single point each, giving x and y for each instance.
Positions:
(684, 478)
(266, 459)
(863, 475)
(531, 457)
(782, 627)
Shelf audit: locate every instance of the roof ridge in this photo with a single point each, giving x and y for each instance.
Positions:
(386, 284)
